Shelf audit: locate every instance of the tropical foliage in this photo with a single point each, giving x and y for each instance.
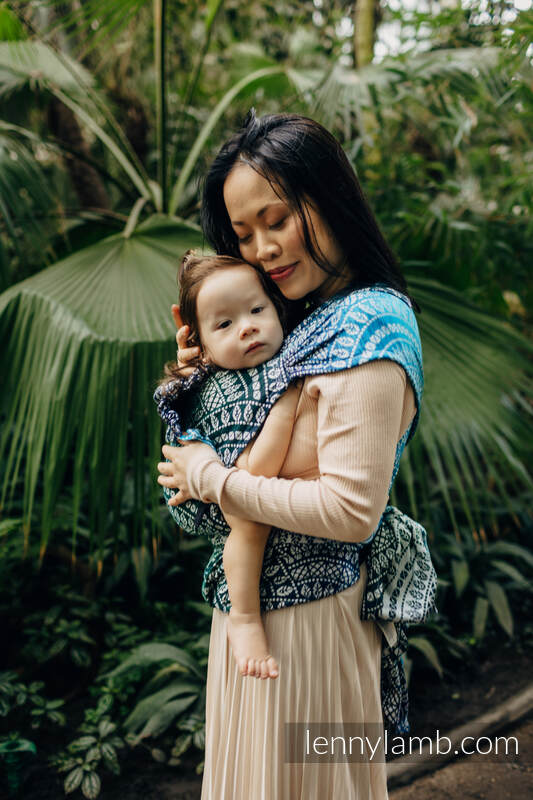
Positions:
(86, 337)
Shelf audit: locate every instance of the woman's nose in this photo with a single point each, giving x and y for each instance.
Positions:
(267, 250)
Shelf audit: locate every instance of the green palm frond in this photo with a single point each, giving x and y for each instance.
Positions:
(256, 77)
(26, 197)
(94, 22)
(35, 65)
(11, 29)
(38, 65)
(473, 437)
(428, 83)
(83, 343)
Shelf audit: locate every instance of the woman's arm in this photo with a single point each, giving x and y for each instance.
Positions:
(362, 412)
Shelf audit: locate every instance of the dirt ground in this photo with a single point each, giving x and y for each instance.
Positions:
(463, 695)
(476, 778)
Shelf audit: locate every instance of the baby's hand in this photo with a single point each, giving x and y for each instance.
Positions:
(185, 353)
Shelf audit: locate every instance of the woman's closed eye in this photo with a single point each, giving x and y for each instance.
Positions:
(274, 227)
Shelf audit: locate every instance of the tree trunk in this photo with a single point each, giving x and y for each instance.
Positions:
(364, 31)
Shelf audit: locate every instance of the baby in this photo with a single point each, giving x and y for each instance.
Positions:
(235, 317)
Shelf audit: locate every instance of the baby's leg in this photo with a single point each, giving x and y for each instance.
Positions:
(243, 559)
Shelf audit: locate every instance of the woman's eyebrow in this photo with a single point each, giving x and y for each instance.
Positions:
(259, 213)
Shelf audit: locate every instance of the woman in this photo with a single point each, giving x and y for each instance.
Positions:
(282, 195)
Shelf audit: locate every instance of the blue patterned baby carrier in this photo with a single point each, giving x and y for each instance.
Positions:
(227, 408)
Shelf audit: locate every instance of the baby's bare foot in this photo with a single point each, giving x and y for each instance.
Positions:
(248, 641)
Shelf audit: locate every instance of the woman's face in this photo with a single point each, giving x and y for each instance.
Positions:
(270, 236)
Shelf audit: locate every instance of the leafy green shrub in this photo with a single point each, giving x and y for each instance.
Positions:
(484, 577)
(178, 682)
(86, 755)
(22, 702)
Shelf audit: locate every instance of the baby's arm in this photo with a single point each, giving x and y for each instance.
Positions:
(244, 549)
(266, 454)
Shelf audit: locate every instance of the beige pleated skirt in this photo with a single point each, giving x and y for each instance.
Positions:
(329, 672)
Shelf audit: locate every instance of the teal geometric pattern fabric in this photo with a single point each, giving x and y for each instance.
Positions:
(227, 408)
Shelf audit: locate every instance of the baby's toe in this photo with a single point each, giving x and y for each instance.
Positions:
(272, 666)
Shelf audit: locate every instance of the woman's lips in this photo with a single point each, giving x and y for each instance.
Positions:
(280, 273)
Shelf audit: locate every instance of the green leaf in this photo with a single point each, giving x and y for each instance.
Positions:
(57, 648)
(209, 126)
(82, 743)
(100, 320)
(199, 739)
(105, 728)
(50, 704)
(150, 706)
(73, 780)
(426, 648)
(511, 549)
(161, 720)
(11, 28)
(91, 785)
(182, 744)
(58, 717)
(500, 606)
(481, 610)
(512, 572)
(110, 758)
(212, 10)
(93, 754)
(464, 422)
(30, 62)
(105, 702)
(153, 653)
(80, 657)
(461, 574)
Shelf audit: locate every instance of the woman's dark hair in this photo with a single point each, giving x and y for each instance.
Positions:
(302, 159)
(192, 272)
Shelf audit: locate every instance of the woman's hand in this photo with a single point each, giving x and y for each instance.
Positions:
(185, 353)
(174, 472)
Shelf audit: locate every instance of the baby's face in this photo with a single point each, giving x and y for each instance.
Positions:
(239, 324)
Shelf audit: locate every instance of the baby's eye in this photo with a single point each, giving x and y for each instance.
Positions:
(278, 224)
(224, 324)
(257, 309)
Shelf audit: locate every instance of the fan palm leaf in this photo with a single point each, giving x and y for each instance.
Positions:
(472, 442)
(82, 345)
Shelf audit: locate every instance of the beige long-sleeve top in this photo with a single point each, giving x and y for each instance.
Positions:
(334, 483)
